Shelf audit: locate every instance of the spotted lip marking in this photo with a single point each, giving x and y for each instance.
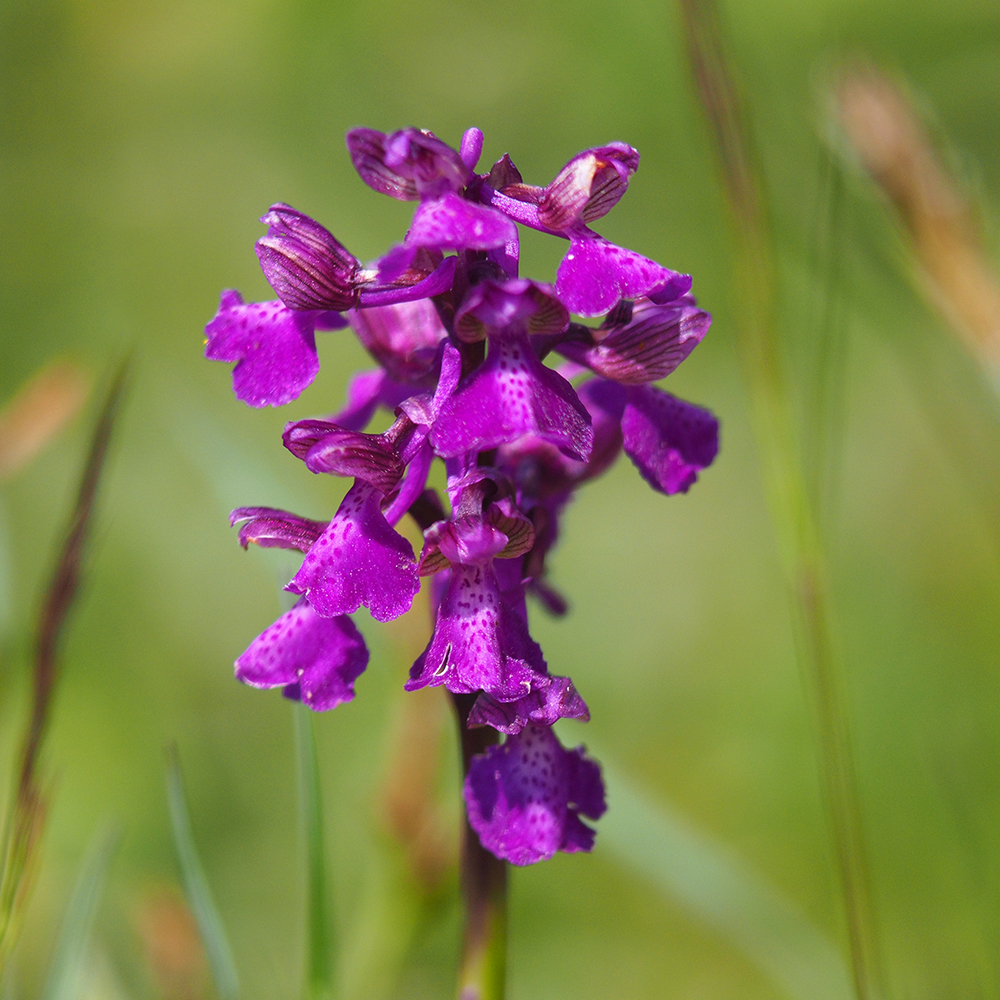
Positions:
(445, 662)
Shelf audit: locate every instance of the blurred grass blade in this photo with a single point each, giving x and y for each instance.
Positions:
(319, 955)
(785, 480)
(24, 821)
(213, 935)
(823, 444)
(69, 966)
(720, 889)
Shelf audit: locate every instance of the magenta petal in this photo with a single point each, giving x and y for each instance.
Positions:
(479, 643)
(524, 798)
(651, 345)
(337, 451)
(304, 263)
(402, 338)
(557, 700)
(512, 394)
(274, 349)
(365, 393)
(668, 440)
(406, 164)
(315, 659)
(275, 529)
(452, 223)
(589, 186)
(367, 149)
(359, 561)
(595, 275)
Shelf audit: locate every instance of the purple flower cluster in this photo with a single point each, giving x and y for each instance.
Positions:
(460, 341)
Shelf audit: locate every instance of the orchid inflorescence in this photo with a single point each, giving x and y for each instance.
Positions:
(460, 340)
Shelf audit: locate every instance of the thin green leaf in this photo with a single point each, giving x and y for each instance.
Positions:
(721, 889)
(319, 971)
(199, 896)
(67, 975)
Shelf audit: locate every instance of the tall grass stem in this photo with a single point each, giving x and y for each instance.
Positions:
(785, 480)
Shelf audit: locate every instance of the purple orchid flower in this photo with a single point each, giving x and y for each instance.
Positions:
(461, 345)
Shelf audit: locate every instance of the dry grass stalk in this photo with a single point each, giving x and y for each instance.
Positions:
(38, 412)
(893, 145)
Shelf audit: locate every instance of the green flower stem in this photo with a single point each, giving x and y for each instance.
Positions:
(483, 966)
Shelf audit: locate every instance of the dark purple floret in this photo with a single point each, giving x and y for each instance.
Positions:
(525, 798)
(305, 264)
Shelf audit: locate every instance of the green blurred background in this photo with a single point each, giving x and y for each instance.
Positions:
(141, 142)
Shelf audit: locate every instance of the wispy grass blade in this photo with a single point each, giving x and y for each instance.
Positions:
(319, 972)
(67, 976)
(823, 443)
(720, 889)
(793, 512)
(199, 896)
(25, 819)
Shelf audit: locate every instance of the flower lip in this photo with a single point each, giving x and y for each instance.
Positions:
(304, 263)
(408, 164)
(669, 441)
(359, 560)
(496, 306)
(315, 659)
(274, 348)
(525, 798)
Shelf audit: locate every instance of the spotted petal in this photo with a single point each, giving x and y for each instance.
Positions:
(669, 441)
(479, 643)
(274, 348)
(315, 659)
(525, 798)
(359, 560)
(595, 275)
(512, 394)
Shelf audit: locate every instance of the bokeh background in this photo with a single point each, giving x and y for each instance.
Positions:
(141, 142)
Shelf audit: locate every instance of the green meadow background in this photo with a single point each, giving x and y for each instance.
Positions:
(139, 144)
